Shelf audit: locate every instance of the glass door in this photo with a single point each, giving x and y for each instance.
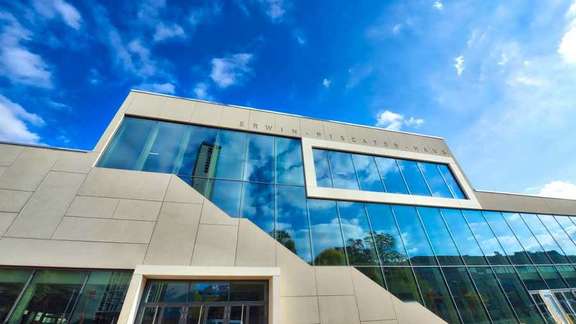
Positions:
(556, 307)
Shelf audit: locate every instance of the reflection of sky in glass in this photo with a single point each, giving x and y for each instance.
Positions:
(260, 159)
(390, 173)
(506, 238)
(367, 173)
(357, 235)
(544, 238)
(413, 236)
(463, 237)
(289, 165)
(391, 249)
(291, 219)
(560, 236)
(442, 243)
(435, 180)
(258, 205)
(451, 181)
(488, 242)
(342, 169)
(526, 238)
(323, 177)
(226, 195)
(324, 226)
(414, 178)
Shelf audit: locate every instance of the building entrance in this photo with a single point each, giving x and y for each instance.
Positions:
(558, 305)
(204, 302)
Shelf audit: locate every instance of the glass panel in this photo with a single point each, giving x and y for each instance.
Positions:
(260, 159)
(568, 273)
(128, 143)
(486, 239)
(200, 155)
(223, 193)
(367, 173)
(527, 239)
(231, 157)
(390, 173)
(435, 180)
(215, 315)
(463, 237)
(545, 239)
(162, 153)
(491, 294)
(194, 314)
(258, 205)
(435, 294)
(531, 278)
(567, 225)
(171, 315)
(289, 165)
(257, 315)
(209, 291)
(11, 283)
(327, 243)
(401, 283)
(374, 273)
(49, 297)
(342, 169)
(167, 291)
(451, 181)
(413, 236)
(440, 238)
(416, 183)
(560, 236)
(150, 315)
(323, 176)
(357, 234)
(465, 296)
(292, 228)
(542, 307)
(386, 235)
(552, 277)
(102, 297)
(569, 304)
(237, 314)
(248, 290)
(517, 295)
(507, 240)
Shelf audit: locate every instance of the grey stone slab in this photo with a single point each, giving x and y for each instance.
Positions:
(88, 206)
(28, 170)
(2, 169)
(174, 236)
(125, 184)
(255, 247)
(46, 207)
(54, 253)
(180, 191)
(215, 245)
(104, 230)
(13, 200)
(338, 310)
(75, 162)
(9, 153)
(334, 280)
(5, 221)
(138, 209)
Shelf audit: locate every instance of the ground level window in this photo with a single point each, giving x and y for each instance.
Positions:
(204, 302)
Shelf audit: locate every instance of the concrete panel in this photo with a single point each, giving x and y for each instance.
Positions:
(29, 169)
(53, 253)
(561, 206)
(41, 215)
(261, 121)
(334, 281)
(338, 310)
(104, 230)
(215, 216)
(414, 313)
(312, 128)
(374, 302)
(173, 239)
(255, 247)
(74, 162)
(125, 184)
(12, 200)
(287, 125)
(5, 221)
(148, 105)
(297, 277)
(9, 153)
(206, 114)
(215, 245)
(512, 202)
(180, 191)
(301, 310)
(236, 118)
(86, 206)
(2, 169)
(137, 209)
(335, 132)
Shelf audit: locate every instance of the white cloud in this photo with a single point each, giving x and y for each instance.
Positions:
(230, 70)
(395, 121)
(17, 63)
(201, 91)
(59, 8)
(567, 47)
(14, 120)
(274, 9)
(164, 32)
(558, 189)
(326, 83)
(438, 5)
(459, 64)
(165, 87)
(300, 38)
(357, 74)
(396, 29)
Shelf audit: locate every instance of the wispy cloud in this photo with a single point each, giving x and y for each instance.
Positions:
(357, 74)
(274, 9)
(17, 62)
(59, 9)
(230, 70)
(326, 83)
(438, 5)
(395, 121)
(459, 65)
(14, 123)
(567, 46)
(165, 32)
(165, 87)
(558, 189)
(201, 91)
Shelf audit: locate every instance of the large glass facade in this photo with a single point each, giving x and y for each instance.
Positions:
(61, 296)
(464, 265)
(344, 170)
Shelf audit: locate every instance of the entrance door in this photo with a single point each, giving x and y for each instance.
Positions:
(560, 305)
(226, 313)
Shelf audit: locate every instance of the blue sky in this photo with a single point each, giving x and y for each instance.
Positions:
(497, 79)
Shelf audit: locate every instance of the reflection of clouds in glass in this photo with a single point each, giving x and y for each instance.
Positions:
(326, 236)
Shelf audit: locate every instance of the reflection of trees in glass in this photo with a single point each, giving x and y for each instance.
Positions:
(285, 239)
(386, 245)
(332, 256)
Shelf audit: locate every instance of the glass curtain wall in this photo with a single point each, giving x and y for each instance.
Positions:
(61, 296)
(465, 265)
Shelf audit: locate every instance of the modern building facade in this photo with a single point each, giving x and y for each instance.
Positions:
(194, 212)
